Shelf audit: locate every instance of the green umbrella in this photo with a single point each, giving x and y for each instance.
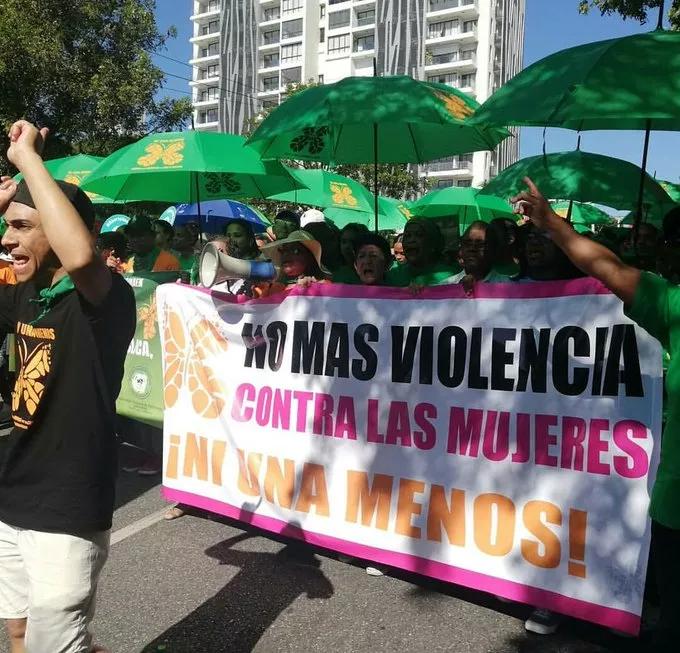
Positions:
(74, 169)
(326, 189)
(391, 217)
(631, 82)
(582, 213)
(467, 204)
(579, 176)
(188, 167)
(672, 189)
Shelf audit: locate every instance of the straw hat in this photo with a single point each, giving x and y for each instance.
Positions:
(303, 238)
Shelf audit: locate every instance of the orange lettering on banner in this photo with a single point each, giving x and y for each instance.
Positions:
(485, 505)
(444, 516)
(196, 457)
(280, 482)
(248, 472)
(407, 507)
(534, 514)
(313, 491)
(219, 450)
(578, 524)
(172, 470)
(374, 500)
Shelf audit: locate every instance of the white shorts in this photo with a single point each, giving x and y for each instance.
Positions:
(51, 579)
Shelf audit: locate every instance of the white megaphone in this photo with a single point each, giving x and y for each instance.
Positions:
(215, 267)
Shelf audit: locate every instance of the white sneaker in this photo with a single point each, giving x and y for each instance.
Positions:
(543, 622)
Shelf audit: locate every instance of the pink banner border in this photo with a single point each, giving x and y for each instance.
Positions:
(511, 290)
(612, 618)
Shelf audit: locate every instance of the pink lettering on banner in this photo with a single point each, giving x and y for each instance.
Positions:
(545, 439)
(596, 446)
(239, 412)
(573, 437)
(639, 461)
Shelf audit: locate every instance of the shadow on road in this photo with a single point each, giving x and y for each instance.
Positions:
(238, 615)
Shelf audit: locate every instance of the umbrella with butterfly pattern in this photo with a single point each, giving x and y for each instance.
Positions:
(187, 167)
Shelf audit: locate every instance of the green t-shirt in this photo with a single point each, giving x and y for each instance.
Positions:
(656, 308)
(511, 270)
(345, 274)
(401, 277)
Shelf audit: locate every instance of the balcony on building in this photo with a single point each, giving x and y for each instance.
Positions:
(269, 84)
(207, 119)
(291, 76)
(208, 9)
(206, 53)
(291, 29)
(363, 45)
(338, 2)
(270, 14)
(462, 31)
(270, 61)
(206, 32)
(206, 76)
(455, 166)
(291, 8)
(445, 58)
(207, 97)
(338, 20)
(364, 20)
(270, 39)
(454, 8)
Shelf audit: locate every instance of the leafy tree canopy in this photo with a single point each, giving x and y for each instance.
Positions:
(640, 10)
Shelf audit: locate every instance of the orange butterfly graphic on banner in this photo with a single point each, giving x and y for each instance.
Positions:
(187, 347)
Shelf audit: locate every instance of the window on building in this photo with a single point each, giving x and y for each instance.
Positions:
(467, 80)
(465, 161)
(338, 44)
(443, 28)
(322, 35)
(270, 104)
(443, 183)
(469, 25)
(211, 50)
(291, 29)
(336, 2)
(207, 116)
(210, 94)
(214, 5)
(339, 19)
(468, 55)
(273, 13)
(213, 71)
(270, 83)
(289, 6)
(291, 53)
(270, 60)
(291, 76)
(268, 38)
(322, 12)
(211, 28)
(443, 57)
(364, 43)
(439, 5)
(464, 183)
(365, 17)
(320, 79)
(449, 79)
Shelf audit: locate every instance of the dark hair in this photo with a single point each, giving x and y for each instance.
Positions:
(288, 216)
(356, 227)
(166, 227)
(373, 239)
(327, 236)
(565, 269)
(248, 228)
(433, 232)
(492, 239)
(112, 240)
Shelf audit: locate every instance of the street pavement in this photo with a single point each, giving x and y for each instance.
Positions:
(202, 584)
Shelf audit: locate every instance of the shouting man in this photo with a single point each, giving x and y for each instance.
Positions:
(73, 319)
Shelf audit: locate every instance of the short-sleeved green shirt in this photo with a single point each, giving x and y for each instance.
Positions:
(656, 308)
(402, 276)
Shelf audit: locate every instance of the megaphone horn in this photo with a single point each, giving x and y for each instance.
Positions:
(215, 267)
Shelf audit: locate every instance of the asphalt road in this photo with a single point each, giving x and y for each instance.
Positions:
(203, 585)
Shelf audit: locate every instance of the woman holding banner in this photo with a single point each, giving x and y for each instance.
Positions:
(654, 304)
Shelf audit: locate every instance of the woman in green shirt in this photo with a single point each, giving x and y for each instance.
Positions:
(654, 304)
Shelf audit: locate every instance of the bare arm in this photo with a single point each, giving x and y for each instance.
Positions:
(592, 258)
(66, 232)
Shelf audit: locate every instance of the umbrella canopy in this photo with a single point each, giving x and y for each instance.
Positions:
(188, 167)
(631, 82)
(390, 216)
(581, 213)
(74, 170)
(579, 176)
(672, 189)
(114, 222)
(326, 189)
(337, 123)
(467, 204)
(216, 214)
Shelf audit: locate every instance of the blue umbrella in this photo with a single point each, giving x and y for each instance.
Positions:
(114, 222)
(216, 214)
(169, 215)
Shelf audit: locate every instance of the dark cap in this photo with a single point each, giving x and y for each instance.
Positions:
(139, 224)
(81, 202)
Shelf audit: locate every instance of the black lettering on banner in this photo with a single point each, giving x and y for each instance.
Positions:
(364, 370)
(624, 342)
(560, 360)
(276, 335)
(256, 345)
(403, 354)
(337, 360)
(475, 378)
(426, 355)
(501, 358)
(452, 339)
(598, 365)
(308, 348)
(533, 360)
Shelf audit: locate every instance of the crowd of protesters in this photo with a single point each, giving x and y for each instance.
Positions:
(79, 315)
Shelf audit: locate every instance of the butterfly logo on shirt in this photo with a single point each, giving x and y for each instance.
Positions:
(34, 366)
(162, 154)
(187, 348)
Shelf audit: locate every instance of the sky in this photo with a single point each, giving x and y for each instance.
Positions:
(551, 25)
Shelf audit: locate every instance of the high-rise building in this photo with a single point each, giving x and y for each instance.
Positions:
(246, 53)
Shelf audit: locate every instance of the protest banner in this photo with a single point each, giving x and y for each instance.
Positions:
(141, 391)
(506, 441)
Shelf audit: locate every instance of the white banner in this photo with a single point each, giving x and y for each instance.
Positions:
(506, 441)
